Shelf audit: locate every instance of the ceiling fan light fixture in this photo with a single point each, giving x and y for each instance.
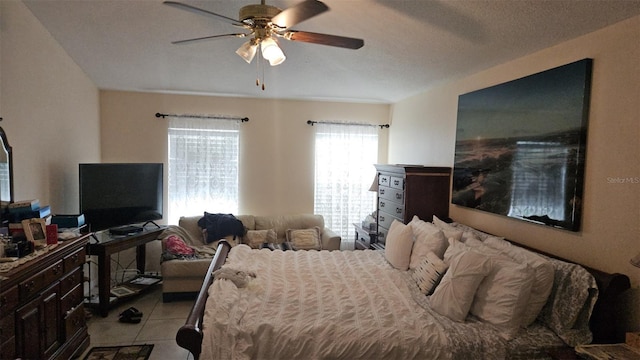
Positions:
(247, 51)
(272, 52)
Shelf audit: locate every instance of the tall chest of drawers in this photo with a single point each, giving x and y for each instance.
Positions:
(408, 190)
(41, 305)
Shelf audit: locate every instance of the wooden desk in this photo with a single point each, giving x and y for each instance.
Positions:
(104, 244)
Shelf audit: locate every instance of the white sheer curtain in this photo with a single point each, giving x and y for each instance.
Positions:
(344, 158)
(203, 167)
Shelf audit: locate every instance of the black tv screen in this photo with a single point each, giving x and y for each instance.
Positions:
(113, 195)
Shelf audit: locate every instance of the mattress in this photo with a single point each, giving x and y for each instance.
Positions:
(342, 305)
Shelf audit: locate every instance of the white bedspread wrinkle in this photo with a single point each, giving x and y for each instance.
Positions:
(308, 305)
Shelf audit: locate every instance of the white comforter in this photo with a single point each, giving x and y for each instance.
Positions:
(308, 305)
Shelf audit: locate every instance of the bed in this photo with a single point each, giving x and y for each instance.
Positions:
(356, 305)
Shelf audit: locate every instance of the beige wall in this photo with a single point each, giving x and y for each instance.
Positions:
(50, 111)
(276, 146)
(610, 231)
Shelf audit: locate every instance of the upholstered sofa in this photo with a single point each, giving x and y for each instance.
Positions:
(182, 278)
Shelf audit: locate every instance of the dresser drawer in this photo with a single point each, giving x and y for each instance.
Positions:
(392, 208)
(9, 300)
(385, 219)
(75, 260)
(70, 281)
(394, 195)
(397, 183)
(382, 235)
(7, 328)
(74, 321)
(72, 299)
(39, 281)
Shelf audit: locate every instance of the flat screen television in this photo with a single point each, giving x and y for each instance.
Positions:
(115, 195)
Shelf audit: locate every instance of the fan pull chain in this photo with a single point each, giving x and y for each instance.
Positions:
(258, 67)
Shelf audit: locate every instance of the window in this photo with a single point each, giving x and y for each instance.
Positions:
(344, 158)
(203, 167)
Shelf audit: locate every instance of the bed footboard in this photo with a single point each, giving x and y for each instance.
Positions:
(189, 336)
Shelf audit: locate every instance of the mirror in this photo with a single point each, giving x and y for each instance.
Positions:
(6, 175)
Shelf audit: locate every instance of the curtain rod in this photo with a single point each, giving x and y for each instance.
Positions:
(311, 122)
(220, 117)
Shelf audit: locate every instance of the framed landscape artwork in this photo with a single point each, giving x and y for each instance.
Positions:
(520, 147)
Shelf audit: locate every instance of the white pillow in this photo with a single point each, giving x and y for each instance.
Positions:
(429, 272)
(448, 230)
(502, 296)
(305, 239)
(454, 295)
(255, 238)
(398, 245)
(543, 275)
(427, 238)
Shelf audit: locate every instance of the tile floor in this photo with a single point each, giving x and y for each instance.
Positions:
(160, 322)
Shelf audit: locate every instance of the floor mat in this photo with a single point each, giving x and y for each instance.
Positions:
(131, 352)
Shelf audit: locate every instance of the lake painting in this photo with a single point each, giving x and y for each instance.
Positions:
(520, 147)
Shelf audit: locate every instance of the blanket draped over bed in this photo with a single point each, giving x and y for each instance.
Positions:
(308, 304)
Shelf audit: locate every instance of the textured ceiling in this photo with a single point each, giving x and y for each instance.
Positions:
(409, 45)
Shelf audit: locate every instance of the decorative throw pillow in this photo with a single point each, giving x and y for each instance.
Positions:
(305, 239)
(398, 245)
(255, 238)
(429, 272)
(502, 296)
(454, 295)
(176, 246)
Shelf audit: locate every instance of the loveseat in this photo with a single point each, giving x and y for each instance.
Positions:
(182, 277)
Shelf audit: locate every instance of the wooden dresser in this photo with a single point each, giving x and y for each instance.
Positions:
(408, 190)
(41, 305)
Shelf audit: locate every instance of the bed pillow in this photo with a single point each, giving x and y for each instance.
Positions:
(398, 245)
(427, 238)
(448, 230)
(429, 272)
(543, 275)
(503, 294)
(454, 295)
(570, 303)
(255, 238)
(305, 239)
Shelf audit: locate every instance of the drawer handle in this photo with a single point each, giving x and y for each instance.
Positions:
(398, 196)
(396, 182)
(75, 257)
(382, 204)
(381, 191)
(29, 286)
(56, 270)
(381, 218)
(398, 211)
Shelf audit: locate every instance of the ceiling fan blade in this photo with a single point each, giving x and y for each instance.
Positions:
(199, 11)
(298, 13)
(324, 39)
(188, 41)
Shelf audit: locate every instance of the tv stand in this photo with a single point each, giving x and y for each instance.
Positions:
(107, 244)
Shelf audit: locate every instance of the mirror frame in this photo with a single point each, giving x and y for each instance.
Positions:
(9, 150)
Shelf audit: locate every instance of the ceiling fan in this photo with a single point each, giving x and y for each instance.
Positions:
(266, 23)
